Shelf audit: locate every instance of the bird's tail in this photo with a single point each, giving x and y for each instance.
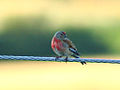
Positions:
(74, 51)
(82, 62)
(75, 56)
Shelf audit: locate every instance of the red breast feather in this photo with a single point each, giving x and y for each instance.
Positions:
(56, 43)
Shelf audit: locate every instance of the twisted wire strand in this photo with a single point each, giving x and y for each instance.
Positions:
(37, 58)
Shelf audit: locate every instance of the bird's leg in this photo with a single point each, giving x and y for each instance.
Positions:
(83, 62)
(66, 59)
(57, 57)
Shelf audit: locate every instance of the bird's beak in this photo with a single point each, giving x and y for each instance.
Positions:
(65, 36)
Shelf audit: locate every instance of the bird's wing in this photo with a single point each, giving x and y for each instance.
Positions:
(72, 47)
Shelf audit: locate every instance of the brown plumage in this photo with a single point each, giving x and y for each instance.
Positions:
(62, 46)
(71, 45)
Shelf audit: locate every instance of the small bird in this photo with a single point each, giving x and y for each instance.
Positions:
(62, 46)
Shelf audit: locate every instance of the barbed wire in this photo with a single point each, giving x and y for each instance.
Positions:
(38, 58)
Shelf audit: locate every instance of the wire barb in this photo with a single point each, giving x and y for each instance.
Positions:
(38, 58)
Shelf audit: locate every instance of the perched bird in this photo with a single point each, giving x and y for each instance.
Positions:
(62, 46)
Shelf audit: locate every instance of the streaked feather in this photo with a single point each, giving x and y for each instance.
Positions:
(74, 51)
(72, 47)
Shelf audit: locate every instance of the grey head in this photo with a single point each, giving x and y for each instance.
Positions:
(60, 35)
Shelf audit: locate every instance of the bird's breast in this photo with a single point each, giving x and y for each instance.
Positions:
(56, 44)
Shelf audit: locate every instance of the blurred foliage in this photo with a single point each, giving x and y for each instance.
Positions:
(32, 36)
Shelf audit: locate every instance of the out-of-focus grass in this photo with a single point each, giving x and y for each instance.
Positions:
(35, 75)
(93, 25)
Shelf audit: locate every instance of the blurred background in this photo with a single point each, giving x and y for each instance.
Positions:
(27, 27)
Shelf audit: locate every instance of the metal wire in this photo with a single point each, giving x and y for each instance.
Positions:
(37, 58)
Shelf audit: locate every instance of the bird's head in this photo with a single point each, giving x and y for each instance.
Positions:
(60, 35)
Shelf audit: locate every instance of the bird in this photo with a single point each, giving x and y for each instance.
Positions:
(63, 46)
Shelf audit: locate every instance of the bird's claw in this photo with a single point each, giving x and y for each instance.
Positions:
(66, 59)
(56, 58)
(83, 62)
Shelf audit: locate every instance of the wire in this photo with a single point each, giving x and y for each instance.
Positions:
(37, 58)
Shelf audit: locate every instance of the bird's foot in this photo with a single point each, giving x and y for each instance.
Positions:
(83, 62)
(66, 59)
(56, 58)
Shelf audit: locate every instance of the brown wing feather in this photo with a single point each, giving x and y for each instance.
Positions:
(71, 45)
